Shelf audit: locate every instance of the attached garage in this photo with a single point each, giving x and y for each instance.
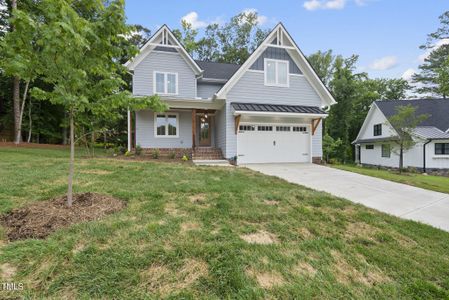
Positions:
(269, 133)
(276, 143)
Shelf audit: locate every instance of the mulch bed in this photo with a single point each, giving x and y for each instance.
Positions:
(40, 219)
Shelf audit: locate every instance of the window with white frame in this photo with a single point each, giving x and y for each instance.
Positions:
(276, 72)
(165, 83)
(166, 125)
(282, 128)
(247, 128)
(300, 129)
(441, 148)
(386, 150)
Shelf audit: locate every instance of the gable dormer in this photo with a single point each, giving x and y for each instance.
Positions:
(277, 71)
(164, 67)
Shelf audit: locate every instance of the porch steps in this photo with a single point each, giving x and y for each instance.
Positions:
(207, 153)
(213, 162)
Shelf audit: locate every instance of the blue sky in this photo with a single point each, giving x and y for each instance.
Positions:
(385, 33)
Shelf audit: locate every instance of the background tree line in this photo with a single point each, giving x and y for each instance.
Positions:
(231, 42)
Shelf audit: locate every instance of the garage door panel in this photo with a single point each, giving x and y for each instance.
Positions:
(278, 145)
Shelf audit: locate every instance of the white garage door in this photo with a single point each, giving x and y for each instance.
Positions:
(271, 143)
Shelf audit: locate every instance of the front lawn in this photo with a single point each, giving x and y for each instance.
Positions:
(429, 182)
(208, 232)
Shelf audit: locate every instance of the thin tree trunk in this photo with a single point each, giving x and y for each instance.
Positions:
(72, 161)
(16, 108)
(22, 108)
(401, 159)
(30, 123)
(16, 95)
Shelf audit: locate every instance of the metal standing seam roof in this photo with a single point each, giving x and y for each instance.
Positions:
(215, 70)
(430, 132)
(437, 109)
(277, 108)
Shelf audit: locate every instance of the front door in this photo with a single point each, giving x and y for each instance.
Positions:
(205, 130)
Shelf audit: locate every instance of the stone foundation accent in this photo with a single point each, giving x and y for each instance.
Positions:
(317, 160)
(430, 171)
(166, 152)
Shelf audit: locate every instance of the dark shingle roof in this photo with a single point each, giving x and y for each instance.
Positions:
(216, 70)
(437, 109)
(277, 108)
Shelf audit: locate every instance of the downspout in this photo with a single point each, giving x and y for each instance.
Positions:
(424, 155)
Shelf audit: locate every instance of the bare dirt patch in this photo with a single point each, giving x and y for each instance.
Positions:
(7, 271)
(305, 233)
(40, 219)
(271, 202)
(188, 226)
(172, 210)
(163, 280)
(261, 237)
(345, 273)
(96, 172)
(304, 269)
(267, 280)
(360, 230)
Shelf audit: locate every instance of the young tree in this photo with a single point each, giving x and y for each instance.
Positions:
(187, 36)
(82, 64)
(330, 147)
(324, 64)
(404, 123)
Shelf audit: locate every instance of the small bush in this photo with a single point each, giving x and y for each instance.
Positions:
(128, 153)
(185, 158)
(155, 154)
(138, 150)
(172, 154)
(122, 149)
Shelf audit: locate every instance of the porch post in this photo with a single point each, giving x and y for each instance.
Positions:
(129, 130)
(193, 127)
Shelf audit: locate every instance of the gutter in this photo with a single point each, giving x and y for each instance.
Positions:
(424, 155)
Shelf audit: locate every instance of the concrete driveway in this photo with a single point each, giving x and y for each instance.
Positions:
(397, 199)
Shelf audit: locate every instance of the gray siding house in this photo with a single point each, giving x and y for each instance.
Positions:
(267, 110)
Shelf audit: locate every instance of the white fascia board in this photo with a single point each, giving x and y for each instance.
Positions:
(278, 114)
(150, 45)
(316, 83)
(366, 121)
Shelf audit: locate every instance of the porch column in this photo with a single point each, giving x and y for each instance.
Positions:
(193, 128)
(129, 130)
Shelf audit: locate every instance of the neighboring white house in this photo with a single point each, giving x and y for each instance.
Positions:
(269, 109)
(375, 143)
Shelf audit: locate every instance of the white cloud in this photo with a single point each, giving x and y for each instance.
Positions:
(407, 75)
(437, 45)
(261, 19)
(331, 4)
(324, 4)
(384, 63)
(192, 18)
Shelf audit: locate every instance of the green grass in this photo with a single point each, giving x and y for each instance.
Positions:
(429, 182)
(181, 237)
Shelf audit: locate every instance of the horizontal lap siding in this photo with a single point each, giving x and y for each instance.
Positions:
(317, 141)
(207, 90)
(164, 62)
(251, 89)
(145, 131)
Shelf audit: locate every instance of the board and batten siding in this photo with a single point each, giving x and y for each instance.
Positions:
(275, 53)
(145, 131)
(164, 62)
(207, 90)
(251, 89)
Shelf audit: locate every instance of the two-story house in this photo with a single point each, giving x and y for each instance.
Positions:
(269, 109)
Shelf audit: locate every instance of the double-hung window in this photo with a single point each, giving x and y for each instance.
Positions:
(165, 83)
(386, 150)
(441, 148)
(166, 125)
(276, 72)
(377, 130)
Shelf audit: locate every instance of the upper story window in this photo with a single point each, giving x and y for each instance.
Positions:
(441, 148)
(276, 72)
(377, 129)
(165, 83)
